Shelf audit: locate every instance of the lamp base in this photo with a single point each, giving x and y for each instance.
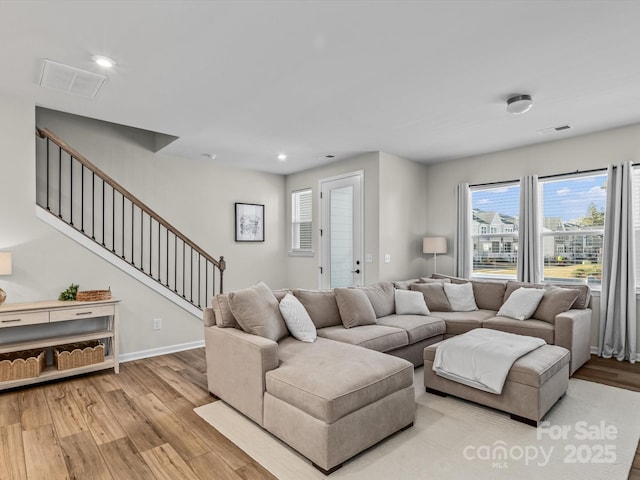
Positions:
(3, 296)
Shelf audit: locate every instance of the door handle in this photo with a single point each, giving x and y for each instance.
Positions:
(355, 271)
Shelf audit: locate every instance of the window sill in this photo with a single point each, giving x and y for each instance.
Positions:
(301, 253)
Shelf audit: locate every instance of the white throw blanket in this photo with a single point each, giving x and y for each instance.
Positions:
(482, 357)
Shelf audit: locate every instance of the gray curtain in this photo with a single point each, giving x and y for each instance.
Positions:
(529, 230)
(462, 250)
(618, 321)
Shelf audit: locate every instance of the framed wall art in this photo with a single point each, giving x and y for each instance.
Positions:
(249, 222)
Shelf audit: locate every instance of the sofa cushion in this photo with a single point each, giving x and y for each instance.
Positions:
(405, 284)
(434, 296)
(460, 297)
(418, 327)
(512, 286)
(297, 319)
(461, 322)
(488, 295)
(375, 337)
(584, 297)
(256, 310)
(381, 298)
(222, 311)
(321, 306)
(555, 300)
(409, 302)
(434, 280)
(355, 308)
(531, 327)
(329, 380)
(281, 293)
(440, 276)
(522, 303)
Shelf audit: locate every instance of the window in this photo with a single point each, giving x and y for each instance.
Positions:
(495, 230)
(573, 228)
(301, 222)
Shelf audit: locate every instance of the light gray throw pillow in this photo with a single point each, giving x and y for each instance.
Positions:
(460, 296)
(297, 319)
(521, 303)
(409, 302)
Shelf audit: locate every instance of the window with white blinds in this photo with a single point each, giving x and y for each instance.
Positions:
(301, 221)
(636, 218)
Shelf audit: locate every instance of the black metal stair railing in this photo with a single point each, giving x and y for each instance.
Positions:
(76, 191)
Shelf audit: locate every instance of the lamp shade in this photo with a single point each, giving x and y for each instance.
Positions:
(5, 263)
(434, 245)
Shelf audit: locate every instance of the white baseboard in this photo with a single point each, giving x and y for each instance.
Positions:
(154, 352)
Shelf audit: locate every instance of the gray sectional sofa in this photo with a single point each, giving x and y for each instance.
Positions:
(353, 386)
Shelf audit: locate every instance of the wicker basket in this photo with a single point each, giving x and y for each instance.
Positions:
(22, 364)
(93, 295)
(76, 355)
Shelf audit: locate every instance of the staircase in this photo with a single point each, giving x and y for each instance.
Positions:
(78, 198)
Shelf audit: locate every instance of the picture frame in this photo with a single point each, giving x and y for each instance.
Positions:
(249, 222)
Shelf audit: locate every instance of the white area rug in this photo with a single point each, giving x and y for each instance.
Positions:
(592, 433)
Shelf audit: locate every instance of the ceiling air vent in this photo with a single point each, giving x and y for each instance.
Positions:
(58, 76)
(546, 131)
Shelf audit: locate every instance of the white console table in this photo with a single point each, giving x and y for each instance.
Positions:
(44, 317)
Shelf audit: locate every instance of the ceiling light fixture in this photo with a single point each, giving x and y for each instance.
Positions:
(519, 104)
(106, 62)
(282, 157)
(211, 156)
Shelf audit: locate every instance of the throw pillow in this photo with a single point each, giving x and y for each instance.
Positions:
(409, 302)
(256, 310)
(434, 296)
(321, 306)
(405, 284)
(521, 303)
(512, 286)
(297, 319)
(489, 295)
(222, 310)
(355, 308)
(381, 297)
(460, 296)
(555, 301)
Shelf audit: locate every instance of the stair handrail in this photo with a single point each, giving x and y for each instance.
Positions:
(221, 264)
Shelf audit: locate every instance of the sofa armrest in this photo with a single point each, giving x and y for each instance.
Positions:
(573, 332)
(236, 366)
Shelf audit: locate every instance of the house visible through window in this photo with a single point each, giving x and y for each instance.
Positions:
(573, 228)
(495, 230)
(301, 222)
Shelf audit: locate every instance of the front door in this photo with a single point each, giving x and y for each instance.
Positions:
(341, 231)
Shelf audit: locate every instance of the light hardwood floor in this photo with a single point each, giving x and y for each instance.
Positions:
(140, 424)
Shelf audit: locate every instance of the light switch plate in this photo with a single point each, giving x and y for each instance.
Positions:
(368, 258)
(387, 258)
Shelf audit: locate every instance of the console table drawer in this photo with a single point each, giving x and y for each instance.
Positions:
(18, 319)
(75, 313)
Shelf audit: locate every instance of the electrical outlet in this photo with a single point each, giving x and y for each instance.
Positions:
(157, 323)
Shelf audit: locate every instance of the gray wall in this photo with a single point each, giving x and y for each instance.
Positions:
(596, 150)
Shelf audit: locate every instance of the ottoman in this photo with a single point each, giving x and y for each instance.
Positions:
(535, 383)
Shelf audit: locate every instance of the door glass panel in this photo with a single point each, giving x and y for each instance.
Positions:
(341, 232)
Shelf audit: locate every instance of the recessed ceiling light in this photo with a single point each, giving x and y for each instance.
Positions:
(106, 62)
(519, 104)
(282, 157)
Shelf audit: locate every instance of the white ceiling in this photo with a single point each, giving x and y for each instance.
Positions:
(246, 80)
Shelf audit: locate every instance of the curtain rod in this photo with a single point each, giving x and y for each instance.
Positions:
(543, 177)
